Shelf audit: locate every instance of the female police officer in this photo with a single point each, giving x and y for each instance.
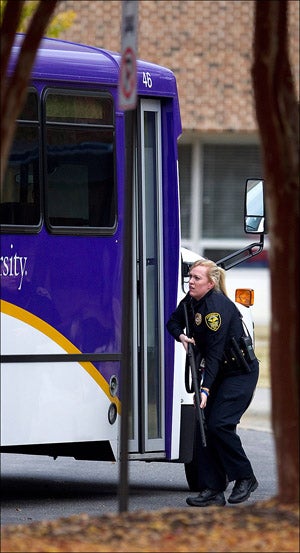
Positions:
(229, 378)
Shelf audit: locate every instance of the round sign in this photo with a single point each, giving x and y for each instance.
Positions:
(128, 73)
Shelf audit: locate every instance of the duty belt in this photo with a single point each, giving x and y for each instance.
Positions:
(234, 358)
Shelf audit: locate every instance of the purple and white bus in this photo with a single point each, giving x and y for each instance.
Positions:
(62, 264)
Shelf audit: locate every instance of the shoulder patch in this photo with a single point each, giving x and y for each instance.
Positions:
(213, 321)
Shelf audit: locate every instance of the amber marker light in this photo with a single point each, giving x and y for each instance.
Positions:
(244, 296)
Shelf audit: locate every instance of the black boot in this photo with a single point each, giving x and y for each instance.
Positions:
(242, 489)
(207, 498)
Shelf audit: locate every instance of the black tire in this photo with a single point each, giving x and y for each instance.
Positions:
(191, 471)
(191, 476)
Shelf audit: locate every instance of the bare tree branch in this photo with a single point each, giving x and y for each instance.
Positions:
(9, 27)
(15, 87)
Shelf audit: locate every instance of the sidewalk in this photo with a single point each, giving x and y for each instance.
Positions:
(258, 415)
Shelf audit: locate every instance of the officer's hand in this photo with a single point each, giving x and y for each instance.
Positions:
(203, 400)
(185, 340)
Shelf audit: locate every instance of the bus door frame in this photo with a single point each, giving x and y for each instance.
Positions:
(147, 417)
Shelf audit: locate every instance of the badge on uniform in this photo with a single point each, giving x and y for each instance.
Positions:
(213, 321)
(198, 319)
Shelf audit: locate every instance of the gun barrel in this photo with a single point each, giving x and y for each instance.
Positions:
(199, 411)
(192, 363)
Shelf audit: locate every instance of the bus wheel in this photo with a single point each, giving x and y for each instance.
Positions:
(192, 468)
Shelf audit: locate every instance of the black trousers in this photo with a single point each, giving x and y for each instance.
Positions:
(224, 458)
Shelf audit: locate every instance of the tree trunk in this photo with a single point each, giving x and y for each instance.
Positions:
(278, 121)
(14, 89)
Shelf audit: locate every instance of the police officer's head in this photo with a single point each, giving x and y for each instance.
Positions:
(203, 276)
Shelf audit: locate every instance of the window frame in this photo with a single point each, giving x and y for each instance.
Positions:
(74, 229)
(27, 228)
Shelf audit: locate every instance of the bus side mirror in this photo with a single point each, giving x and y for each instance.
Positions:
(254, 216)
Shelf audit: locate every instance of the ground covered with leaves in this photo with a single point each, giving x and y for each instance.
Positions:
(263, 526)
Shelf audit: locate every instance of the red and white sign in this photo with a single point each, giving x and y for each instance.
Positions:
(128, 72)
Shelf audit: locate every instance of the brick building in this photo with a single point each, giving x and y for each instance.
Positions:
(208, 45)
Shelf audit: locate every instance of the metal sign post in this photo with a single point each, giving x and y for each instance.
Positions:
(128, 75)
(127, 102)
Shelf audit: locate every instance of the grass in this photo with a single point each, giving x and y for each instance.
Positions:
(262, 340)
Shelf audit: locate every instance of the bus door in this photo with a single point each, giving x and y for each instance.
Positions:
(147, 428)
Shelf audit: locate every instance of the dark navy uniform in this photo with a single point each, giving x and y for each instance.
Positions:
(214, 322)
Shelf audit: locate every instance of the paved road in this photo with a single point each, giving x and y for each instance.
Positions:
(38, 488)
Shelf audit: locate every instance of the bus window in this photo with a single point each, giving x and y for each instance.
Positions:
(20, 193)
(80, 187)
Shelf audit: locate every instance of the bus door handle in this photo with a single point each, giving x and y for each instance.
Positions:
(150, 261)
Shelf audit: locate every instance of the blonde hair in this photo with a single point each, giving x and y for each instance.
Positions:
(216, 274)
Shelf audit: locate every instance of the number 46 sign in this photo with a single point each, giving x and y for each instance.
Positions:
(147, 81)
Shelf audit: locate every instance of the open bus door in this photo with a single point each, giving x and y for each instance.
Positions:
(147, 423)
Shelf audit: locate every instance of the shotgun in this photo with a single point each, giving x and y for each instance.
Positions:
(192, 363)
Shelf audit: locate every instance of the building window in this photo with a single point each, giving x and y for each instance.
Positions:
(225, 170)
(185, 158)
(214, 182)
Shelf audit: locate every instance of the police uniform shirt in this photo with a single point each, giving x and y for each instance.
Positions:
(213, 321)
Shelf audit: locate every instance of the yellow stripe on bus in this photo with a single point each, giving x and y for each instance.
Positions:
(34, 321)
